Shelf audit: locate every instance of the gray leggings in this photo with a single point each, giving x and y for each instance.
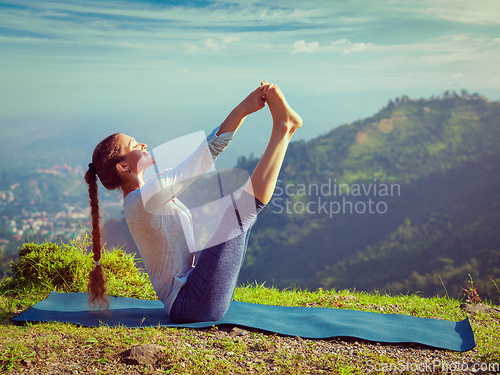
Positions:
(210, 286)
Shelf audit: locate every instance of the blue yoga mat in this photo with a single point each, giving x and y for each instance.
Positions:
(306, 322)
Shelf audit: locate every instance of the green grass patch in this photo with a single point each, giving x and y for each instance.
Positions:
(60, 347)
(46, 267)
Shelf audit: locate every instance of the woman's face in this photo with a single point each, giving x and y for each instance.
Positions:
(135, 154)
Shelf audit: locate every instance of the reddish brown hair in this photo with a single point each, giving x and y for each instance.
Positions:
(104, 159)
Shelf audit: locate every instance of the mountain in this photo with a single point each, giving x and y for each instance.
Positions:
(418, 207)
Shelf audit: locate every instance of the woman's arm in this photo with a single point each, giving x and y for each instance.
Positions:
(168, 184)
(252, 103)
(172, 182)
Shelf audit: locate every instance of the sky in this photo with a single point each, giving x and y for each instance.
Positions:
(80, 70)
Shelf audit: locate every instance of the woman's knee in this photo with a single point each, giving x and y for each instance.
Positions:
(216, 314)
(211, 315)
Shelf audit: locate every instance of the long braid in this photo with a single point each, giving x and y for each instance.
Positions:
(97, 279)
(104, 159)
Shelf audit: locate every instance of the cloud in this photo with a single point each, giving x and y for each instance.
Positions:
(455, 49)
(341, 41)
(108, 15)
(302, 46)
(128, 25)
(358, 47)
(230, 39)
(34, 41)
(343, 44)
(480, 12)
(211, 44)
(192, 48)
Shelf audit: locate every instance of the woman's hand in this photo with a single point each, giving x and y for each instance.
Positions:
(252, 103)
(255, 101)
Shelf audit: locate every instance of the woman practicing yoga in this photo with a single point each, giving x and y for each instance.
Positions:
(191, 289)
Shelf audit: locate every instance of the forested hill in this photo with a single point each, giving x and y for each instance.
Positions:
(404, 201)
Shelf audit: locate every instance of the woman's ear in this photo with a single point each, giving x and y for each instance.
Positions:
(122, 167)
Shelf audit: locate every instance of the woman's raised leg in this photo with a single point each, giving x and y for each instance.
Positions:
(285, 122)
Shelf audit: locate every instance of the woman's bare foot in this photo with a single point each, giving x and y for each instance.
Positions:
(284, 117)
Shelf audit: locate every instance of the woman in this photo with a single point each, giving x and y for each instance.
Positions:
(190, 291)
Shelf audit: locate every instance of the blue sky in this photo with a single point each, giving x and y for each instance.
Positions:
(162, 69)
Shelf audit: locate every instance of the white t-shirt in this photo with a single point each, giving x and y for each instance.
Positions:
(156, 217)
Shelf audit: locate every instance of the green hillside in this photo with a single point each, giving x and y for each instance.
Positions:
(392, 202)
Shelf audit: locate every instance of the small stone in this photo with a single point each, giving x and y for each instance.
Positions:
(143, 354)
(235, 331)
(220, 335)
(229, 354)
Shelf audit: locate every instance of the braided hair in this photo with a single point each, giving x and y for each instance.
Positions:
(104, 159)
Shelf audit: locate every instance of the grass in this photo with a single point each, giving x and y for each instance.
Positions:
(58, 347)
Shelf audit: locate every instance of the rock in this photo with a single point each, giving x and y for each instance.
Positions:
(220, 335)
(143, 354)
(235, 331)
(480, 308)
